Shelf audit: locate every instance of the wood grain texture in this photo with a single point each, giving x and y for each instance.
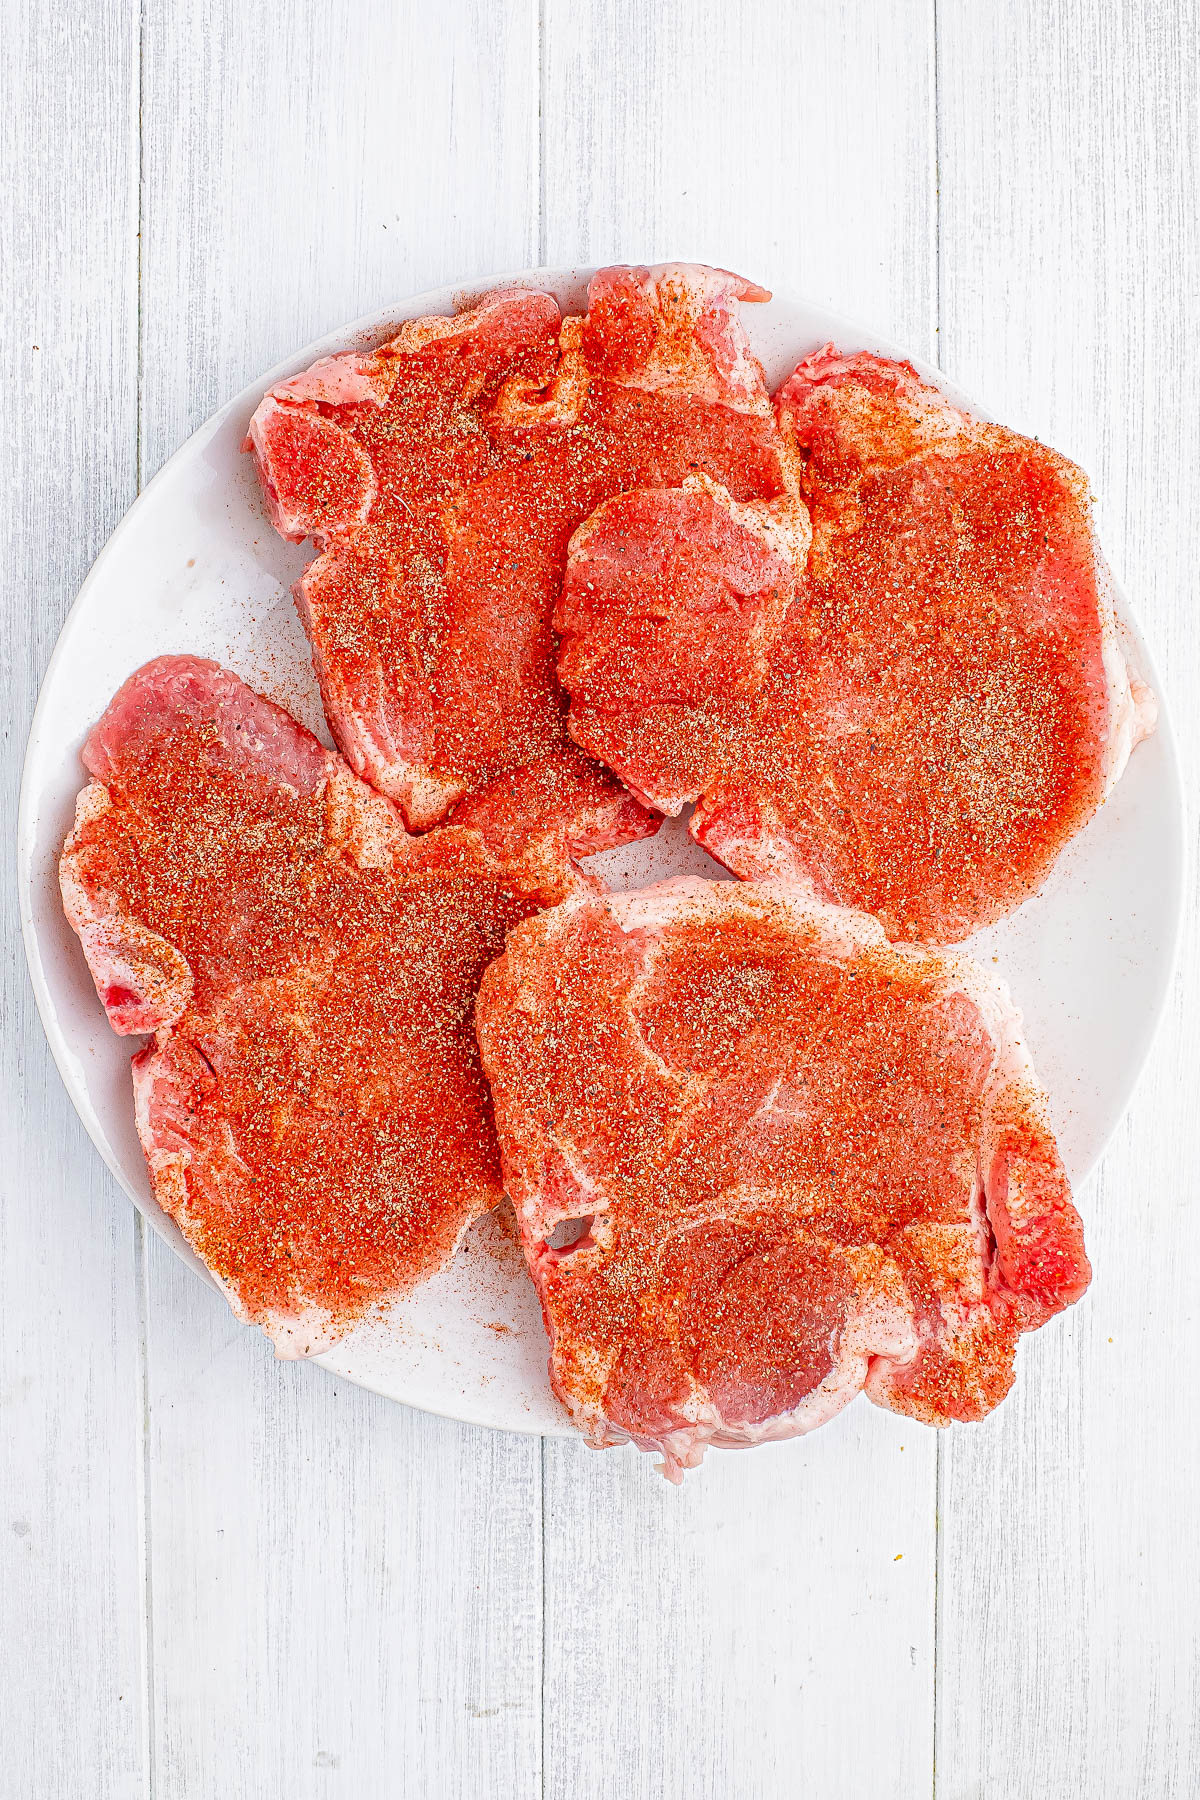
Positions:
(346, 1594)
(718, 1639)
(70, 1404)
(1069, 1593)
(303, 166)
(225, 1576)
(793, 143)
(715, 1641)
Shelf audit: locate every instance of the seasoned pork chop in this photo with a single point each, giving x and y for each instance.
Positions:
(677, 593)
(947, 701)
(761, 1160)
(443, 475)
(311, 1103)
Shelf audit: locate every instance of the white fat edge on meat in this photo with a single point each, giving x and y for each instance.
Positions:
(881, 1334)
(881, 1328)
(367, 741)
(846, 934)
(161, 975)
(689, 287)
(663, 800)
(878, 1331)
(766, 855)
(361, 823)
(304, 1332)
(349, 378)
(783, 523)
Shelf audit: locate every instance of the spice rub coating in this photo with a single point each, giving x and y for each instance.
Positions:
(311, 1102)
(947, 701)
(443, 474)
(677, 594)
(762, 1160)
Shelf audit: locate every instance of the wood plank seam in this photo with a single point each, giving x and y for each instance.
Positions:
(140, 1234)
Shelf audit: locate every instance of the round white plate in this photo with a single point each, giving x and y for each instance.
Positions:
(194, 566)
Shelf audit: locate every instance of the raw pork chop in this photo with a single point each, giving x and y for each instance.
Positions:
(947, 702)
(311, 1105)
(676, 594)
(796, 1162)
(444, 473)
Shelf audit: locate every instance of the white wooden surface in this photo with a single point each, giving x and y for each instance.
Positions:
(224, 1577)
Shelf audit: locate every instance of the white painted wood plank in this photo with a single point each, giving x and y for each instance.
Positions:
(765, 1632)
(70, 1406)
(755, 1634)
(307, 163)
(791, 142)
(1068, 1651)
(346, 1595)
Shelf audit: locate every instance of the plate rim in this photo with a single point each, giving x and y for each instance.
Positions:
(446, 298)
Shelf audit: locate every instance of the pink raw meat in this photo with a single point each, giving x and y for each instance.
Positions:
(443, 474)
(311, 1106)
(677, 594)
(763, 1160)
(948, 700)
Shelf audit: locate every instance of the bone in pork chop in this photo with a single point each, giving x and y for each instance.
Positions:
(443, 475)
(761, 1160)
(311, 1106)
(947, 702)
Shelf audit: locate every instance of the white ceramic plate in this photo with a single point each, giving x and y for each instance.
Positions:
(194, 566)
